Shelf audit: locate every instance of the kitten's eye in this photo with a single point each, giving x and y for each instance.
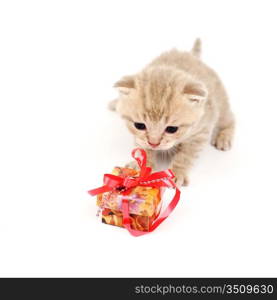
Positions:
(140, 126)
(171, 129)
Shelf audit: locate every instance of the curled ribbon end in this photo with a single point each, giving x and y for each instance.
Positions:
(140, 156)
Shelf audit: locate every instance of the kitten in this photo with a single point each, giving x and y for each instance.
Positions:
(173, 107)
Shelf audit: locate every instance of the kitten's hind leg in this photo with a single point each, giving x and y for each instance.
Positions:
(222, 137)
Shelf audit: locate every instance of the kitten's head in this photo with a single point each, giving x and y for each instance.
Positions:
(161, 105)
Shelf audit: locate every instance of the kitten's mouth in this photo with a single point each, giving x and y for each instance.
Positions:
(152, 146)
(159, 147)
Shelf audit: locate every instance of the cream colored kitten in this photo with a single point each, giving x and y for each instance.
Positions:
(174, 106)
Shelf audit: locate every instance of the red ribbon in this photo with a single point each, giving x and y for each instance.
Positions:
(145, 178)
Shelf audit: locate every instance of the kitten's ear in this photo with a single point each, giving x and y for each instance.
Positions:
(196, 91)
(125, 84)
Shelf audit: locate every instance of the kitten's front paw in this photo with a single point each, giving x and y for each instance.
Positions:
(181, 179)
(223, 140)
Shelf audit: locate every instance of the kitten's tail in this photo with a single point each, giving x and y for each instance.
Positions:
(197, 48)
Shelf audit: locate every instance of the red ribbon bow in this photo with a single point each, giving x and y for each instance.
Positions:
(145, 178)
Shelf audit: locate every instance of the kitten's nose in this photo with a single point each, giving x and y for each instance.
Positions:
(153, 145)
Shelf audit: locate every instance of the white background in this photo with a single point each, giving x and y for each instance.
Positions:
(58, 62)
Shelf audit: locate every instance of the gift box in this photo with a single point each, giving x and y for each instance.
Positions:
(144, 203)
(133, 198)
